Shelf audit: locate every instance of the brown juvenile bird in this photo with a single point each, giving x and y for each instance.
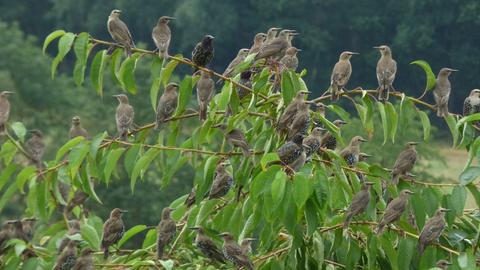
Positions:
(318, 110)
(341, 74)
(290, 37)
(352, 151)
(233, 252)
(123, 116)
(119, 31)
(241, 55)
(290, 60)
(222, 181)
(471, 104)
(190, 200)
(67, 259)
(73, 228)
(441, 92)
(203, 52)
(394, 210)
(301, 120)
(166, 230)
(328, 140)
(236, 138)
(28, 226)
(207, 246)
(85, 261)
(18, 232)
(78, 199)
(405, 162)
(113, 230)
(205, 92)
(7, 233)
(36, 147)
(443, 264)
(276, 47)
(361, 158)
(167, 104)
(4, 110)
(386, 70)
(246, 245)
(359, 203)
(289, 114)
(257, 43)
(271, 34)
(77, 129)
(313, 142)
(162, 35)
(432, 230)
(245, 79)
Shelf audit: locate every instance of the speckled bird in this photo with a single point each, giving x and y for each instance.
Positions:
(288, 115)
(432, 230)
(166, 231)
(236, 138)
(246, 245)
(4, 110)
(233, 252)
(85, 261)
(203, 52)
(241, 55)
(394, 210)
(36, 147)
(276, 47)
(301, 120)
(28, 227)
(222, 181)
(328, 140)
(206, 245)
(67, 259)
(313, 141)
(113, 230)
(352, 151)
(290, 60)
(205, 92)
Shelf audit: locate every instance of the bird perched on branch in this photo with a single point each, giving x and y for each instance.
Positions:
(341, 74)
(258, 41)
(441, 92)
(6, 234)
(290, 60)
(73, 228)
(432, 230)
(167, 104)
(123, 116)
(246, 245)
(236, 138)
(207, 246)
(68, 257)
(290, 37)
(313, 141)
(119, 31)
(443, 264)
(190, 200)
(386, 70)
(162, 35)
(394, 210)
(203, 52)
(352, 151)
(233, 252)
(276, 47)
(36, 147)
(328, 140)
(288, 115)
(405, 162)
(166, 230)
(113, 230)
(85, 261)
(222, 181)
(301, 120)
(77, 129)
(4, 110)
(205, 92)
(28, 227)
(359, 203)
(293, 153)
(471, 104)
(246, 80)
(229, 71)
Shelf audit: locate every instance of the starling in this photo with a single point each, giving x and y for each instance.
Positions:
(386, 70)
(6, 234)
(166, 230)
(290, 60)
(67, 259)
(77, 129)
(119, 31)
(246, 245)
(341, 74)
(162, 35)
(328, 140)
(432, 230)
(471, 104)
(394, 210)
(73, 228)
(242, 54)
(4, 110)
(191, 198)
(78, 199)
(362, 157)
(18, 232)
(207, 246)
(233, 252)
(236, 138)
(222, 182)
(271, 34)
(246, 80)
(257, 43)
(28, 226)
(205, 92)
(276, 47)
(441, 92)
(85, 261)
(318, 110)
(359, 203)
(405, 162)
(289, 114)
(124, 116)
(113, 230)
(36, 147)
(301, 120)
(443, 264)
(167, 104)
(293, 153)
(290, 37)
(203, 52)
(352, 151)
(313, 141)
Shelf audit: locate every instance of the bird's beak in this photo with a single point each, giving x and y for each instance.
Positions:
(343, 122)
(413, 143)
(277, 28)
(250, 239)
(445, 210)
(448, 263)
(9, 92)
(194, 228)
(452, 70)
(363, 140)
(123, 211)
(353, 53)
(366, 155)
(376, 47)
(410, 192)
(369, 183)
(171, 18)
(294, 33)
(299, 50)
(322, 129)
(306, 92)
(222, 234)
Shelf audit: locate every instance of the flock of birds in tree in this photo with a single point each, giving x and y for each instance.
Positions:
(275, 47)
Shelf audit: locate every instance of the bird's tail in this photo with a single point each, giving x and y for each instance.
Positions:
(421, 249)
(160, 247)
(380, 228)
(383, 93)
(202, 112)
(334, 92)
(395, 178)
(163, 54)
(246, 150)
(105, 252)
(2, 129)
(217, 255)
(442, 110)
(123, 135)
(347, 221)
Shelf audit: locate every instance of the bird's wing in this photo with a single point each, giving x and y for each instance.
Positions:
(270, 49)
(196, 49)
(125, 116)
(4, 111)
(119, 31)
(231, 67)
(405, 160)
(161, 36)
(111, 230)
(358, 201)
(167, 229)
(237, 135)
(386, 71)
(432, 229)
(168, 105)
(467, 106)
(289, 113)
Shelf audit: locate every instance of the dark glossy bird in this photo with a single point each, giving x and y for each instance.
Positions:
(123, 116)
(73, 228)
(432, 230)
(443, 264)
(352, 151)
(386, 70)
(28, 227)
(36, 147)
(4, 110)
(441, 92)
(85, 261)
(246, 245)
(162, 35)
(313, 141)
(233, 252)
(113, 230)
(222, 181)
(205, 92)
(276, 47)
(257, 43)
(394, 210)
(341, 74)
(190, 200)
(293, 153)
(7, 233)
(206, 245)
(203, 52)
(167, 104)
(328, 140)
(246, 80)
(289, 114)
(405, 162)
(119, 31)
(166, 230)
(318, 109)
(236, 138)
(301, 120)
(359, 203)
(290, 60)
(77, 129)
(241, 55)
(67, 259)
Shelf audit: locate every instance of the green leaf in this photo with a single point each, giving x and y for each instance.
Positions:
(127, 73)
(51, 37)
(66, 147)
(267, 158)
(6, 174)
(150, 238)
(7, 195)
(156, 73)
(90, 235)
(406, 249)
(224, 96)
(95, 144)
(115, 62)
(278, 186)
(451, 122)
(184, 95)
(142, 165)
(425, 123)
(468, 175)
(430, 77)
(392, 119)
(8, 152)
(25, 174)
(76, 157)
(80, 47)
(458, 199)
(383, 116)
(19, 130)
(130, 233)
(475, 193)
(168, 264)
(467, 119)
(96, 70)
(42, 194)
(64, 46)
(130, 158)
(344, 115)
(287, 87)
(302, 189)
(112, 159)
(168, 70)
(87, 184)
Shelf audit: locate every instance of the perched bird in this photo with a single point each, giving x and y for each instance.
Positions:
(28, 226)
(119, 31)
(241, 55)
(7, 233)
(123, 116)
(203, 52)
(191, 198)
(301, 120)
(73, 228)
(207, 246)
(293, 153)
(167, 104)
(77, 129)
(78, 199)
(359, 203)
(113, 230)
(441, 92)
(318, 110)
(386, 70)
(405, 162)
(236, 138)
(258, 41)
(362, 157)
(471, 104)
(36, 147)
(290, 37)
(313, 141)
(18, 232)
(394, 210)
(246, 245)
(290, 60)
(166, 230)
(67, 258)
(85, 261)
(432, 230)
(328, 140)
(341, 74)
(271, 34)
(162, 35)
(276, 47)
(233, 252)
(245, 79)
(443, 264)
(205, 92)
(4, 110)
(289, 114)
(352, 151)
(222, 182)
